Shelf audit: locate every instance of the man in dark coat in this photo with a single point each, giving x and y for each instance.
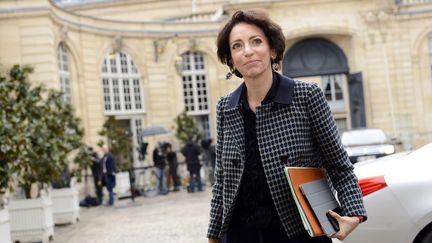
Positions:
(96, 169)
(159, 159)
(191, 151)
(109, 169)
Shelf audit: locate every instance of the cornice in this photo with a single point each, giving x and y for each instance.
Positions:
(111, 27)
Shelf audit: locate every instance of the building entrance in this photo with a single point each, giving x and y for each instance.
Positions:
(321, 61)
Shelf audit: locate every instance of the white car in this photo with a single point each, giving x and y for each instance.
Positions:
(397, 192)
(366, 143)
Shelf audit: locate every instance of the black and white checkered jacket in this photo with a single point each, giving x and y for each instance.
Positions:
(296, 129)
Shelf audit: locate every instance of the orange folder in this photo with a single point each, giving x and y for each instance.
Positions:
(297, 176)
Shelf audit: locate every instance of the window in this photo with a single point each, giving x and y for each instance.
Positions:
(194, 79)
(195, 93)
(65, 73)
(138, 130)
(121, 85)
(333, 90)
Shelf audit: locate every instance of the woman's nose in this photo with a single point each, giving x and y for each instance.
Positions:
(248, 50)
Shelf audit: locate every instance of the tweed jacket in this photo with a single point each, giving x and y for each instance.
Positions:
(296, 129)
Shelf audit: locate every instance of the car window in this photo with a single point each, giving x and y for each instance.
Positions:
(361, 137)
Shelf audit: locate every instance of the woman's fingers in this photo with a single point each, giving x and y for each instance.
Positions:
(346, 225)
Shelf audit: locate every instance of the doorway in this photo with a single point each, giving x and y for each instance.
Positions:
(323, 62)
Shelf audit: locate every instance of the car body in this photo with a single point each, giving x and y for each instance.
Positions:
(365, 144)
(397, 194)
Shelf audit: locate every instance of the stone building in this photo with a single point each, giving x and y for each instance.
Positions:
(146, 61)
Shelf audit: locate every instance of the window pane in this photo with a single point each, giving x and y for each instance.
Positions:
(126, 93)
(113, 65)
(107, 96)
(333, 91)
(64, 73)
(123, 63)
(116, 93)
(327, 92)
(138, 128)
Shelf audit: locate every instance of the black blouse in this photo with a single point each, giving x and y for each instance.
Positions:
(254, 207)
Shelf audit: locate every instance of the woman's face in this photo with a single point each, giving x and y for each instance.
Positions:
(250, 50)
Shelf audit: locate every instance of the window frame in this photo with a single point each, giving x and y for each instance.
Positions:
(198, 77)
(121, 85)
(65, 72)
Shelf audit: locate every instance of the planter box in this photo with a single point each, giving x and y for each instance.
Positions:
(123, 187)
(65, 205)
(4, 226)
(31, 220)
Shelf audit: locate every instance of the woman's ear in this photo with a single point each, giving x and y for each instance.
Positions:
(273, 54)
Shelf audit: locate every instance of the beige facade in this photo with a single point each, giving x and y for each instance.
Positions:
(388, 43)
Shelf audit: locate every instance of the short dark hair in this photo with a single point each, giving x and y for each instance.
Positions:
(259, 18)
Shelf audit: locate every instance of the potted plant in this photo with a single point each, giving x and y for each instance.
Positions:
(9, 152)
(4, 214)
(64, 193)
(4, 223)
(120, 144)
(45, 131)
(186, 126)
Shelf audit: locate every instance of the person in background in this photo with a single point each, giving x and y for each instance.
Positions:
(269, 122)
(191, 151)
(97, 173)
(109, 170)
(159, 161)
(171, 157)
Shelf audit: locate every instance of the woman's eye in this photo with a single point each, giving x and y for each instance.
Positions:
(236, 46)
(256, 41)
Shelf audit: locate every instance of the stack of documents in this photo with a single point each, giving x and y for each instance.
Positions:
(314, 198)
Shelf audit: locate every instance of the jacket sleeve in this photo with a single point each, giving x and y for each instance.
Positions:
(333, 155)
(216, 204)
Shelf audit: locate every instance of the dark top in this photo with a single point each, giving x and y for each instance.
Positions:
(96, 166)
(158, 158)
(191, 151)
(109, 163)
(254, 206)
(172, 159)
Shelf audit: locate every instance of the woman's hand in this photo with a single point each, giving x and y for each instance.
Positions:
(213, 240)
(346, 225)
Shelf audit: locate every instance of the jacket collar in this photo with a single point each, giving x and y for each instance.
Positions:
(284, 94)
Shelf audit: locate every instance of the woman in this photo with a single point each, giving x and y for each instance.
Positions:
(267, 123)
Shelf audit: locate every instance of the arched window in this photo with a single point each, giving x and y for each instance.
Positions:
(65, 73)
(195, 89)
(121, 84)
